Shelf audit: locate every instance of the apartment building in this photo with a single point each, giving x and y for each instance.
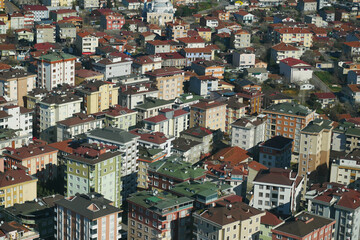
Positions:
(86, 43)
(287, 119)
(253, 98)
(78, 124)
(208, 68)
(267, 223)
(235, 220)
(40, 12)
(235, 109)
(204, 194)
(65, 32)
(39, 159)
(346, 170)
(343, 206)
(293, 35)
(312, 227)
(177, 29)
(169, 121)
(114, 66)
(15, 84)
(127, 144)
(189, 150)
(159, 215)
(352, 139)
(86, 4)
(314, 152)
(284, 50)
(151, 107)
(147, 63)
(25, 34)
(120, 117)
(132, 96)
(94, 169)
(247, 132)
(154, 140)
(276, 152)
(208, 114)
(16, 20)
(277, 189)
(112, 21)
(202, 135)
(54, 69)
(243, 59)
(146, 157)
(203, 85)
(240, 39)
(169, 81)
(295, 70)
(98, 95)
(53, 109)
(45, 33)
(167, 172)
(17, 118)
(87, 216)
(60, 14)
(16, 187)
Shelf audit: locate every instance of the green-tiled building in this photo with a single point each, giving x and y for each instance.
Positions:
(94, 169)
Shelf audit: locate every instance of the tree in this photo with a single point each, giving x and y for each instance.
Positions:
(309, 57)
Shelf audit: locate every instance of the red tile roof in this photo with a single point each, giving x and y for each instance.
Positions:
(14, 176)
(293, 62)
(284, 47)
(232, 155)
(325, 95)
(191, 40)
(294, 30)
(270, 219)
(355, 44)
(35, 8)
(154, 137)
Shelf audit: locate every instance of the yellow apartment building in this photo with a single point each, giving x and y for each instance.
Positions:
(228, 221)
(98, 96)
(16, 187)
(297, 35)
(208, 114)
(169, 81)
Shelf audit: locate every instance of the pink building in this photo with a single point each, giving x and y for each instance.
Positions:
(112, 21)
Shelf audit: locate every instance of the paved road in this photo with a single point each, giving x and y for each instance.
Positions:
(10, 7)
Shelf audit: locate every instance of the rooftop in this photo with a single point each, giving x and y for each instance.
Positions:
(204, 189)
(114, 135)
(224, 215)
(303, 224)
(318, 125)
(55, 56)
(174, 167)
(289, 109)
(276, 176)
(277, 142)
(91, 206)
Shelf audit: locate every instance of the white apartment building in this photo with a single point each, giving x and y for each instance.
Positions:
(169, 121)
(40, 12)
(127, 144)
(78, 124)
(247, 132)
(278, 189)
(17, 118)
(85, 4)
(346, 170)
(86, 43)
(56, 68)
(114, 66)
(45, 33)
(243, 59)
(54, 108)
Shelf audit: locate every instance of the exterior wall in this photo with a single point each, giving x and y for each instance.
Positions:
(65, 73)
(67, 132)
(280, 55)
(116, 69)
(123, 121)
(304, 38)
(170, 87)
(87, 44)
(105, 227)
(101, 100)
(44, 35)
(213, 118)
(279, 158)
(241, 41)
(243, 60)
(18, 193)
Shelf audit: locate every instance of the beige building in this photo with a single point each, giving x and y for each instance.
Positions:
(39, 159)
(169, 81)
(177, 29)
(232, 221)
(208, 114)
(241, 39)
(297, 35)
(15, 84)
(346, 170)
(16, 187)
(120, 117)
(314, 151)
(45, 33)
(98, 96)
